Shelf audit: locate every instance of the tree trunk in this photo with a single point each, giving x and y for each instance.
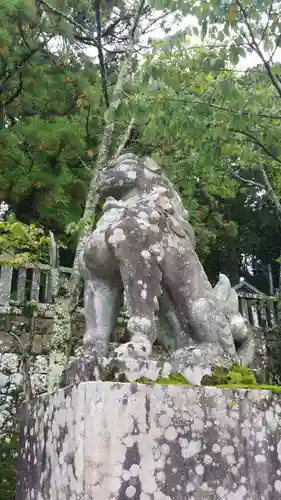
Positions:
(64, 307)
(274, 198)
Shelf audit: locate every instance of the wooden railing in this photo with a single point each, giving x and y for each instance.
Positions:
(261, 312)
(33, 283)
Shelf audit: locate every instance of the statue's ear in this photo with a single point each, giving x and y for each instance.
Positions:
(222, 288)
(232, 304)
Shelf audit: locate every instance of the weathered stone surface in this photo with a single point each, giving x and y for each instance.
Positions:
(108, 441)
(129, 369)
(11, 384)
(144, 245)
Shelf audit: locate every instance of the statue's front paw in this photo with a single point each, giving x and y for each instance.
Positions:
(140, 348)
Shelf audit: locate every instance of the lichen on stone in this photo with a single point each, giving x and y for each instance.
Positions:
(151, 442)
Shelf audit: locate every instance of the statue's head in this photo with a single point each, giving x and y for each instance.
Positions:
(129, 171)
(140, 176)
(131, 163)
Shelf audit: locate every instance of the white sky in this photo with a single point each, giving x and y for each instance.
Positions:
(251, 60)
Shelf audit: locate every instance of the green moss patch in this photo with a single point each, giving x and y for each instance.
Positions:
(236, 377)
(261, 387)
(173, 379)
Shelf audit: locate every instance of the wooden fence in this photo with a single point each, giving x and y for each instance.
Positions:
(33, 283)
(261, 312)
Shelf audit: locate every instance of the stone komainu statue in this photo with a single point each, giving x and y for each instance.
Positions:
(144, 245)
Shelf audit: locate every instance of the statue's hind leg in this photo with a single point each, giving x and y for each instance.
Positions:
(199, 311)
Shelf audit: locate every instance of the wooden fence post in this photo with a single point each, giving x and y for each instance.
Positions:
(5, 285)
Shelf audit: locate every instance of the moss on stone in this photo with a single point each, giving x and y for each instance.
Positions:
(173, 379)
(261, 387)
(236, 375)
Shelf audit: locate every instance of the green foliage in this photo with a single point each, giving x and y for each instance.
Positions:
(51, 107)
(9, 448)
(192, 109)
(174, 123)
(30, 308)
(27, 241)
(208, 120)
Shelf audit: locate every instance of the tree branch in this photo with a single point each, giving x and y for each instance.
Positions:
(271, 191)
(258, 51)
(19, 65)
(268, 20)
(62, 333)
(113, 25)
(137, 19)
(5, 64)
(247, 181)
(267, 187)
(88, 169)
(256, 141)
(154, 21)
(22, 34)
(17, 91)
(66, 17)
(210, 105)
(125, 139)
(88, 40)
(87, 125)
(100, 55)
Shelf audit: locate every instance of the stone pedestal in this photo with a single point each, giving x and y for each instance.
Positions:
(113, 441)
